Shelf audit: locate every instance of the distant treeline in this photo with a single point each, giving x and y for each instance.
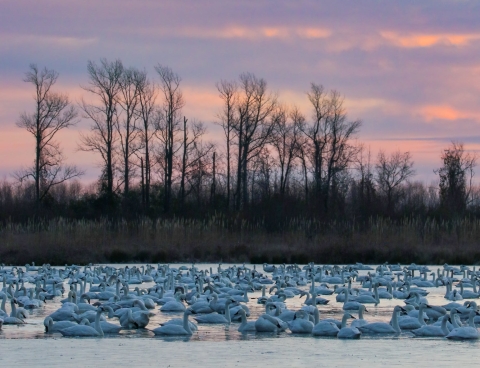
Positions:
(298, 182)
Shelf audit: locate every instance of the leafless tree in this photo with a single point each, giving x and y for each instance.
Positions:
(128, 131)
(253, 128)
(227, 118)
(199, 168)
(105, 86)
(146, 110)
(390, 172)
(191, 136)
(329, 136)
(285, 140)
(53, 113)
(170, 125)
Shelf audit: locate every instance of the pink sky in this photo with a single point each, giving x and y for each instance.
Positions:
(409, 70)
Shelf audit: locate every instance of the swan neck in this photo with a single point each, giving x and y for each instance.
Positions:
(444, 325)
(97, 323)
(395, 325)
(471, 322)
(420, 315)
(227, 313)
(186, 326)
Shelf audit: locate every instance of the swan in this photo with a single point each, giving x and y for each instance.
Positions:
(467, 294)
(172, 329)
(16, 319)
(17, 316)
(348, 332)
(245, 326)
(262, 299)
(139, 319)
(325, 328)
(469, 332)
(51, 327)
(409, 322)
(349, 305)
(433, 331)
(109, 328)
(301, 323)
(174, 305)
(360, 321)
(314, 300)
(268, 323)
(215, 317)
(85, 331)
(382, 327)
(369, 299)
(179, 322)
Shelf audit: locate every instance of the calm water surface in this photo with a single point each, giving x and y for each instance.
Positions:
(220, 345)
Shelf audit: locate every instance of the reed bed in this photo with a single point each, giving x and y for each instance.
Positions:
(218, 239)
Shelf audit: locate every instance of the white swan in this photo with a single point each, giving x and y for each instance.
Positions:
(301, 323)
(85, 331)
(433, 331)
(409, 322)
(348, 332)
(138, 319)
(382, 327)
(216, 317)
(349, 305)
(174, 329)
(245, 326)
(174, 305)
(360, 321)
(268, 323)
(464, 333)
(51, 327)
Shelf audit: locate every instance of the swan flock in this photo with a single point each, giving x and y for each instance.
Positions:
(332, 301)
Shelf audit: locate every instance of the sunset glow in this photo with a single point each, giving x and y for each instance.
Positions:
(409, 72)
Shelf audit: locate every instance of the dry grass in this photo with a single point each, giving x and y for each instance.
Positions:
(60, 241)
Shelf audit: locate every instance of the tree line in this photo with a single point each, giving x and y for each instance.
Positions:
(274, 162)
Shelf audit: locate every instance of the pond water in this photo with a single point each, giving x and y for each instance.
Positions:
(220, 345)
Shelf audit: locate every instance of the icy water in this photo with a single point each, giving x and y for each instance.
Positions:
(224, 346)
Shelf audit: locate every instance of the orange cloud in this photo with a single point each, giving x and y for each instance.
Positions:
(428, 40)
(444, 112)
(250, 33)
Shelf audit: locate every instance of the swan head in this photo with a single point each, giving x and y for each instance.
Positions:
(240, 312)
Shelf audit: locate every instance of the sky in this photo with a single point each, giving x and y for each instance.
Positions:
(409, 70)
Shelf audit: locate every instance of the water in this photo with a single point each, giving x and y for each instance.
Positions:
(219, 345)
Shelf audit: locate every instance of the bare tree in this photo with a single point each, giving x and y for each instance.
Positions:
(285, 140)
(53, 113)
(390, 172)
(229, 94)
(105, 85)
(170, 125)
(130, 83)
(146, 110)
(341, 151)
(329, 136)
(253, 128)
(199, 168)
(191, 136)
